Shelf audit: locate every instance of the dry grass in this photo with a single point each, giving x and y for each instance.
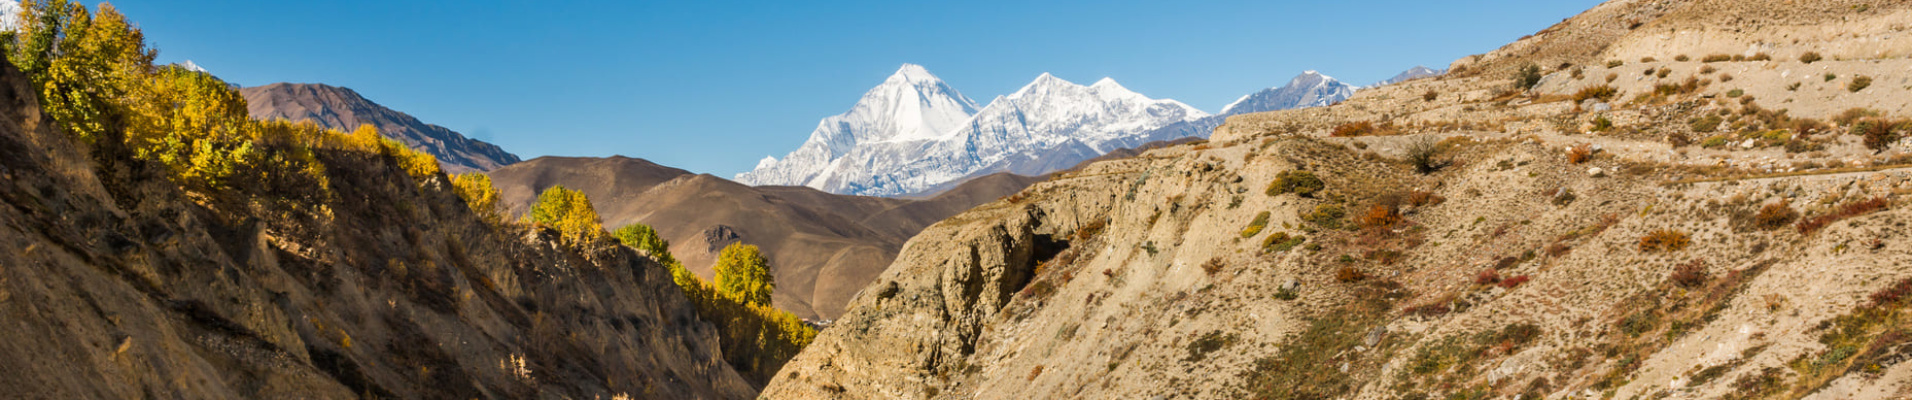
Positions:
(1666, 240)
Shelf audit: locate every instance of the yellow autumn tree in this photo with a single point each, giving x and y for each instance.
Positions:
(478, 193)
(568, 211)
(744, 274)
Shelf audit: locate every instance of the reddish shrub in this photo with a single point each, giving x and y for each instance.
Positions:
(1580, 154)
(1689, 275)
(1213, 265)
(1894, 293)
(1514, 282)
(1432, 309)
(1487, 277)
(1849, 210)
(1379, 216)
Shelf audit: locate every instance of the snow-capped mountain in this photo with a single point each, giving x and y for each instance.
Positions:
(913, 132)
(912, 105)
(189, 65)
(1310, 89)
(1417, 72)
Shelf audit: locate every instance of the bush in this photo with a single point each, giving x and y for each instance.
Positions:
(1514, 282)
(1859, 83)
(1689, 275)
(478, 193)
(1706, 124)
(1848, 210)
(1713, 58)
(1761, 56)
(1213, 266)
(1255, 227)
(1421, 154)
(1682, 58)
(1302, 183)
(1810, 57)
(1665, 240)
(1527, 77)
(1615, 63)
(1487, 277)
(1879, 133)
(1281, 242)
(1605, 93)
(1431, 95)
(1707, 70)
(1852, 115)
(1776, 215)
(1421, 198)
(646, 241)
(1349, 275)
(1326, 216)
(1352, 129)
(1091, 229)
(1892, 294)
(1602, 124)
(1735, 93)
(1379, 216)
(1580, 154)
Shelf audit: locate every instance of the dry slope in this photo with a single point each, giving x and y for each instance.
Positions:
(115, 284)
(1536, 251)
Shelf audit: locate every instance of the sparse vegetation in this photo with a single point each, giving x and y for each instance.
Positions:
(1842, 212)
(1580, 154)
(1281, 242)
(1212, 266)
(1689, 275)
(1299, 182)
(1255, 227)
(1352, 129)
(1713, 58)
(1664, 240)
(1776, 215)
(1527, 77)
(1859, 83)
(1430, 95)
(1810, 57)
(1326, 216)
(1423, 155)
(1602, 92)
(1349, 274)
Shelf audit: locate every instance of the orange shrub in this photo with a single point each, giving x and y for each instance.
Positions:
(1580, 154)
(1776, 215)
(1665, 240)
(1351, 129)
(1379, 216)
(1349, 274)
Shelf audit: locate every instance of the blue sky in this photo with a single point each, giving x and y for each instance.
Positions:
(712, 86)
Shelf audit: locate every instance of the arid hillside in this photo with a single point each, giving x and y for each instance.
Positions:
(822, 247)
(1654, 199)
(358, 282)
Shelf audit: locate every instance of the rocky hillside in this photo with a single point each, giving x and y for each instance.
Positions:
(344, 109)
(822, 246)
(1558, 218)
(118, 284)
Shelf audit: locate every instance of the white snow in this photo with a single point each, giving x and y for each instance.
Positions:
(1310, 89)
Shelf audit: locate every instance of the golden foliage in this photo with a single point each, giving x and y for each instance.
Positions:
(478, 193)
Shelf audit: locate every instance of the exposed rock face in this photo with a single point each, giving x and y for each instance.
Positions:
(344, 109)
(115, 284)
(719, 236)
(1527, 257)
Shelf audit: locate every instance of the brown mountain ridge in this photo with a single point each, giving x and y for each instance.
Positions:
(344, 109)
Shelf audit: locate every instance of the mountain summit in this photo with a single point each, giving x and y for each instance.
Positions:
(344, 109)
(1310, 89)
(913, 132)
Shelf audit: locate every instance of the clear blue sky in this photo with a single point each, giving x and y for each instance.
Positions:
(711, 86)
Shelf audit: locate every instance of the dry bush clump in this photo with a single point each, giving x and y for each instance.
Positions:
(1379, 216)
(1848, 210)
(1349, 275)
(1810, 57)
(1090, 230)
(1353, 129)
(1713, 58)
(1431, 95)
(1689, 275)
(1213, 266)
(1514, 282)
(1487, 277)
(1893, 294)
(1580, 154)
(1859, 83)
(1602, 92)
(1666, 240)
(1299, 182)
(1776, 215)
(1421, 198)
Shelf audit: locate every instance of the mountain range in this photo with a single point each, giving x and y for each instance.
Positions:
(914, 133)
(344, 109)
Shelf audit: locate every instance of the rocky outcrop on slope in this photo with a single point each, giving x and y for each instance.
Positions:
(115, 284)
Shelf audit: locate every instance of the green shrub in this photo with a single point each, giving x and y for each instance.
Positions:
(1255, 227)
(1299, 182)
(1706, 124)
(1735, 93)
(1615, 63)
(1326, 216)
(1281, 242)
(1527, 77)
(1602, 124)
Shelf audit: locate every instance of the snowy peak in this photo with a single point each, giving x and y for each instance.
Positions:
(1417, 72)
(914, 132)
(1310, 89)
